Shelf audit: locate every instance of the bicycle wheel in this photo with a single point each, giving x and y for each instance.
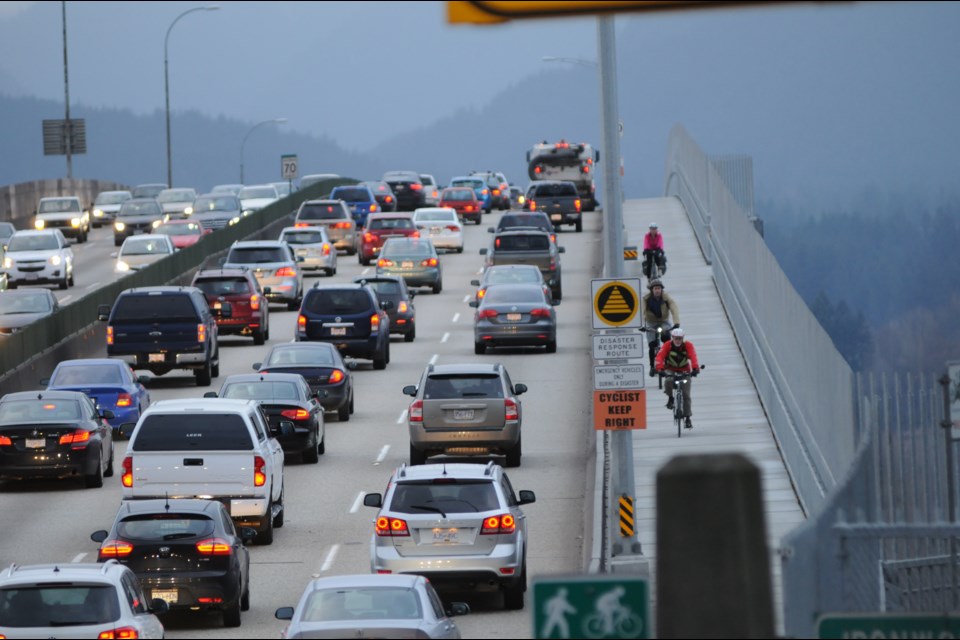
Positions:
(629, 626)
(678, 408)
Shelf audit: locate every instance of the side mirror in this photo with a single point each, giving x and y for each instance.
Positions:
(106, 414)
(113, 254)
(562, 249)
(519, 388)
(458, 609)
(475, 283)
(526, 497)
(474, 304)
(491, 230)
(410, 390)
(301, 259)
(554, 302)
(247, 534)
(483, 252)
(159, 607)
(126, 429)
(352, 364)
(210, 394)
(103, 312)
(99, 536)
(284, 613)
(257, 365)
(412, 293)
(374, 500)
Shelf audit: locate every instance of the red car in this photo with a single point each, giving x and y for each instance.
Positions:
(464, 200)
(250, 312)
(183, 233)
(381, 226)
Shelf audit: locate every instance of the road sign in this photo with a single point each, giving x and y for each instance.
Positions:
(57, 132)
(630, 253)
(616, 303)
(591, 606)
(618, 376)
(614, 346)
(619, 409)
(289, 167)
(893, 625)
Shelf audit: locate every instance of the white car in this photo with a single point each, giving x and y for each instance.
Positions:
(177, 203)
(431, 192)
(139, 251)
(106, 205)
(39, 257)
(314, 246)
(65, 214)
(442, 225)
(257, 197)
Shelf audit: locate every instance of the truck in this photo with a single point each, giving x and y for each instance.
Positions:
(211, 448)
(573, 162)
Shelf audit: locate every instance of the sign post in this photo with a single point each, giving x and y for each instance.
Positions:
(593, 606)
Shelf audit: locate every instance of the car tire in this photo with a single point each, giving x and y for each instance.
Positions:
(552, 346)
(64, 283)
(459, 249)
(265, 532)
(381, 362)
(437, 288)
(215, 368)
(95, 479)
(204, 376)
(11, 285)
(351, 403)
(70, 282)
(513, 594)
(514, 454)
(322, 447)
(410, 336)
(245, 599)
(282, 514)
(417, 456)
(117, 242)
(293, 305)
(479, 348)
(311, 455)
(363, 261)
(332, 272)
(259, 338)
(231, 615)
(108, 472)
(579, 225)
(343, 412)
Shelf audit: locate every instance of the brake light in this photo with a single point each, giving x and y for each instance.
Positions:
(115, 549)
(120, 633)
(214, 547)
(585, 169)
(335, 376)
(392, 527)
(402, 307)
(429, 262)
(542, 312)
(301, 322)
(374, 322)
(415, 234)
(496, 192)
(453, 227)
(255, 302)
(538, 169)
(373, 208)
(416, 411)
(300, 225)
(533, 205)
(5, 440)
(510, 409)
(383, 262)
(389, 198)
(285, 272)
(259, 471)
(503, 523)
(127, 478)
(295, 414)
(124, 400)
(369, 237)
(576, 203)
(109, 335)
(487, 313)
(496, 243)
(342, 225)
(553, 238)
(201, 333)
(484, 192)
(468, 208)
(77, 437)
(416, 186)
(481, 293)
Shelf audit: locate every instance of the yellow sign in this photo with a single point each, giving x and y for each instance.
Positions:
(481, 12)
(615, 304)
(626, 516)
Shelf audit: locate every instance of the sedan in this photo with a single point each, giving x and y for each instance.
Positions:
(111, 383)
(514, 315)
(138, 252)
(402, 313)
(464, 200)
(323, 368)
(413, 259)
(55, 434)
(177, 203)
(371, 606)
(183, 233)
(283, 397)
(383, 193)
(257, 197)
(185, 552)
(135, 217)
(215, 211)
(442, 226)
(314, 246)
(21, 308)
(38, 257)
(274, 266)
(510, 274)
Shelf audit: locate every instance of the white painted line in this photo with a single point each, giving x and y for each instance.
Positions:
(456, 317)
(356, 503)
(433, 360)
(365, 271)
(480, 271)
(65, 298)
(328, 562)
(466, 298)
(383, 453)
(403, 417)
(93, 286)
(445, 337)
(79, 557)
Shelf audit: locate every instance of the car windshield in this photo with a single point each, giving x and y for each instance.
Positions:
(130, 208)
(509, 221)
(189, 229)
(257, 390)
(223, 286)
(249, 193)
(473, 183)
(458, 194)
(562, 189)
(522, 243)
(380, 187)
(294, 357)
(362, 603)
(435, 216)
(65, 205)
(321, 212)
(257, 255)
(390, 223)
(351, 194)
(337, 302)
(61, 604)
(165, 526)
(86, 375)
(148, 190)
(497, 295)
(31, 302)
(39, 242)
(143, 247)
(151, 308)
(451, 386)
(405, 248)
(385, 287)
(307, 236)
(502, 276)
(216, 204)
(170, 432)
(177, 195)
(458, 496)
(112, 198)
(39, 410)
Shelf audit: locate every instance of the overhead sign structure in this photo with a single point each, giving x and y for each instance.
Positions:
(890, 625)
(58, 133)
(616, 346)
(616, 303)
(591, 606)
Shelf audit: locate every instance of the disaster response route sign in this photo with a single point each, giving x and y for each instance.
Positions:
(616, 303)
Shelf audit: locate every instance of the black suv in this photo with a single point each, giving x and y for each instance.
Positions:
(351, 317)
(407, 188)
(164, 328)
(525, 220)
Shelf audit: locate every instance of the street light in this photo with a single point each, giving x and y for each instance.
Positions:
(166, 82)
(243, 144)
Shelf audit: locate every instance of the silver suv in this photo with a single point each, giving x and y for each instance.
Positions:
(83, 600)
(335, 216)
(459, 525)
(465, 409)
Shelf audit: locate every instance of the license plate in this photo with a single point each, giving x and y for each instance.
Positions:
(406, 264)
(338, 331)
(513, 317)
(137, 232)
(463, 414)
(155, 357)
(436, 230)
(36, 443)
(167, 595)
(446, 535)
(556, 216)
(31, 276)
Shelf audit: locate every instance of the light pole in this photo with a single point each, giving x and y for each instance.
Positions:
(166, 82)
(243, 144)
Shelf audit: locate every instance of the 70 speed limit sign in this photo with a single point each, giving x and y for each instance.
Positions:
(289, 168)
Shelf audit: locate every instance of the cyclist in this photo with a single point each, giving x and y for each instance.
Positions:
(678, 356)
(658, 307)
(653, 250)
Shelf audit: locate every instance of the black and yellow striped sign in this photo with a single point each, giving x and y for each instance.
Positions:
(627, 526)
(630, 253)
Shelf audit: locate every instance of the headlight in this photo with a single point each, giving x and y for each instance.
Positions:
(8, 263)
(75, 222)
(247, 212)
(188, 210)
(234, 220)
(39, 224)
(97, 213)
(119, 226)
(155, 224)
(122, 266)
(55, 260)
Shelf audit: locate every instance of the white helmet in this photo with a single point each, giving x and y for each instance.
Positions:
(653, 225)
(677, 333)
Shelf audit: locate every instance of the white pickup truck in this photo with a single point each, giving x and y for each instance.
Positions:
(208, 448)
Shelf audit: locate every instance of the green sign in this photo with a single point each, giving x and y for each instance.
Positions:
(590, 606)
(891, 625)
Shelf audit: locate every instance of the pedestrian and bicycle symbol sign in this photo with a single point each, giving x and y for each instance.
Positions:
(590, 606)
(616, 303)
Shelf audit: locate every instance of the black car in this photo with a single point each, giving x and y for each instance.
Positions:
(403, 315)
(349, 316)
(384, 195)
(55, 434)
(216, 210)
(321, 366)
(283, 397)
(407, 188)
(525, 220)
(135, 216)
(185, 552)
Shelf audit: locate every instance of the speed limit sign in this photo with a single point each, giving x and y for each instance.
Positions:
(289, 168)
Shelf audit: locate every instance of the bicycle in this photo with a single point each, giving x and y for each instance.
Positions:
(679, 380)
(663, 335)
(652, 269)
(627, 624)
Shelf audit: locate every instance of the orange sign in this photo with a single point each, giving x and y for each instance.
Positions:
(620, 410)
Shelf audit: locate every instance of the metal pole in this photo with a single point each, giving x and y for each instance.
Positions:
(621, 441)
(951, 490)
(252, 129)
(68, 130)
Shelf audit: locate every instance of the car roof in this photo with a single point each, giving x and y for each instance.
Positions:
(325, 346)
(340, 285)
(159, 289)
(380, 278)
(523, 231)
(161, 505)
(449, 210)
(464, 367)
(260, 377)
(258, 243)
(36, 232)
(145, 236)
(228, 272)
(63, 572)
(201, 404)
(336, 201)
(47, 394)
(365, 580)
(455, 470)
(390, 215)
(93, 361)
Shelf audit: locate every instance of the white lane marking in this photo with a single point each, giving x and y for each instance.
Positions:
(445, 337)
(466, 298)
(480, 271)
(94, 285)
(456, 317)
(65, 298)
(403, 417)
(356, 503)
(365, 271)
(383, 454)
(328, 562)
(79, 557)
(433, 360)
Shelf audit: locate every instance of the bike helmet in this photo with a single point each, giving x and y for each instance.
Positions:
(656, 282)
(676, 333)
(653, 225)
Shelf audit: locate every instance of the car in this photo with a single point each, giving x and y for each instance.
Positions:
(76, 600)
(464, 201)
(498, 186)
(414, 259)
(19, 309)
(314, 178)
(431, 191)
(320, 364)
(149, 190)
(55, 434)
(349, 316)
(380, 227)
(465, 409)
(335, 216)
(517, 198)
(525, 220)
(283, 188)
(442, 225)
(283, 397)
(182, 233)
(111, 383)
(214, 211)
(407, 189)
(186, 553)
(384, 195)
(226, 189)
(510, 274)
(106, 205)
(238, 288)
(6, 230)
(275, 267)
(514, 315)
(65, 214)
(528, 246)
(560, 200)
(314, 247)
(256, 197)
(38, 257)
(177, 203)
(136, 216)
(480, 188)
(359, 199)
(381, 606)
(138, 252)
(402, 313)
(459, 525)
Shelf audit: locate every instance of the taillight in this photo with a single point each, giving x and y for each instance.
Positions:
(300, 225)
(369, 237)
(503, 523)
(415, 234)
(201, 333)
(542, 312)
(127, 478)
(115, 549)
(538, 169)
(383, 262)
(285, 272)
(389, 198)
(484, 192)
(259, 471)
(375, 322)
(214, 547)
(255, 302)
(510, 409)
(576, 203)
(301, 322)
(402, 307)
(585, 169)
(373, 208)
(496, 243)
(326, 249)
(416, 186)
(124, 400)
(453, 227)
(392, 527)
(533, 205)
(481, 293)
(468, 208)
(553, 238)
(109, 335)
(120, 633)
(487, 313)
(342, 225)
(335, 376)
(429, 262)
(496, 192)
(416, 411)
(77, 437)
(5, 440)
(295, 414)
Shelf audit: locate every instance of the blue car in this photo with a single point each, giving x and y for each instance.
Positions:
(479, 186)
(111, 383)
(360, 200)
